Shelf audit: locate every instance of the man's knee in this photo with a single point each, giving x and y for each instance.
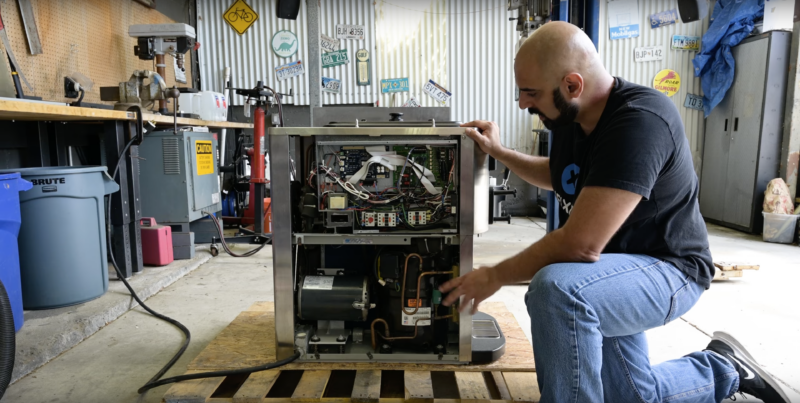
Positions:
(546, 288)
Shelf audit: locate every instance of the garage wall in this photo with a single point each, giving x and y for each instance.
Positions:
(618, 58)
(249, 56)
(482, 44)
(354, 12)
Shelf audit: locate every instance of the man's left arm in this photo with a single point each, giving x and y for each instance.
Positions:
(597, 215)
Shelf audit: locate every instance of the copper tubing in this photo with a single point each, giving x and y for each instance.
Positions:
(386, 329)
(419, 282)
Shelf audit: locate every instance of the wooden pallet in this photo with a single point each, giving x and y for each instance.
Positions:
(250, 340)
(728, 270)
(360, 386)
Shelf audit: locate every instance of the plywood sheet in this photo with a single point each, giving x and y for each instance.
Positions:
(86, 36)
(250, 340)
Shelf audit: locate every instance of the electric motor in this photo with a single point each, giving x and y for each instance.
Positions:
(334, 298)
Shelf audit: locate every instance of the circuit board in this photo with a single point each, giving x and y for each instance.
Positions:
(353, 158)
(437, 159)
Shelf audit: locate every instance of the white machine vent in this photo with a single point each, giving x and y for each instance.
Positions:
(485, 329)
(170, 149)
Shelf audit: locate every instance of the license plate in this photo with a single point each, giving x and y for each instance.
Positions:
(328, 44)
(663, 18)
(649, 53)
(344, 31)
(331, 85)
(693, 102)
(437, 92)
(336, 58)
(412, 103)
(394, 85)
(681, 42)
(290, 70)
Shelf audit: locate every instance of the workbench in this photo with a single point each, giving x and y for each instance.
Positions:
(49, 131)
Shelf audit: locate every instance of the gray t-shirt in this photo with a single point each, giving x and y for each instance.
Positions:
(638, 145)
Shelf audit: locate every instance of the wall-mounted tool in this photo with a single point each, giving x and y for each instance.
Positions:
(29, 22)
(156, 40)
(16, 73)
(135, 91)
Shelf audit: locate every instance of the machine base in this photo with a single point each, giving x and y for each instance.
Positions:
(488, 341)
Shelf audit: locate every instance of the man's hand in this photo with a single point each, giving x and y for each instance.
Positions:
(487, 137)
(475, 286)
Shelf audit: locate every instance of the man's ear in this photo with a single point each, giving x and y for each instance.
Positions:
(573, 85)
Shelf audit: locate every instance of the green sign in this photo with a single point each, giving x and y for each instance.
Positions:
(335, 58)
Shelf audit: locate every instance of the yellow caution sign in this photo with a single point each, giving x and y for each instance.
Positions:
(240, 16)
(204, 152)
(667, 81)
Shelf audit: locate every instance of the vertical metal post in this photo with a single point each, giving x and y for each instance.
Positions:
(39, 145)
(282, 265)
(466, 224)
(134, 203)
(790, 149)
(314, 61)
(114, 141)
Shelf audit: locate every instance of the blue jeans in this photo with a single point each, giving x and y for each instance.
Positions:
(587, 323)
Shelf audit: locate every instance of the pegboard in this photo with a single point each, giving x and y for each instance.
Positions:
(86, 36)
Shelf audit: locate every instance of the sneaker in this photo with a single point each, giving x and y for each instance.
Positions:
(753, 380)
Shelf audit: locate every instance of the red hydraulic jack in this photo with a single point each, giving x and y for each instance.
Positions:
(256, 230)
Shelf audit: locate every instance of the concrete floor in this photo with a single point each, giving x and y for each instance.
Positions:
(760, 309)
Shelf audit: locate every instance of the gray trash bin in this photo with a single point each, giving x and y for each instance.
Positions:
(62, 239)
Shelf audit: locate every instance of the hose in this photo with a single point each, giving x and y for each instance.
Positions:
(225, 247)
(8, 341)
(154, 381)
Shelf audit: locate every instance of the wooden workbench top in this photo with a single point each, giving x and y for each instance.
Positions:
(22, 110)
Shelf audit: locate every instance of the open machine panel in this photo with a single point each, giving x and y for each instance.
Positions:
(377, 220)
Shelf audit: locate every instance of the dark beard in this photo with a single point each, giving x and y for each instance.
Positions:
(567, 112)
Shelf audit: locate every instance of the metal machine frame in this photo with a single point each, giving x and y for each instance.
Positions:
(473, 201)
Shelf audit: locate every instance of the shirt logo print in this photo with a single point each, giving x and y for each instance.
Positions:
(569, 179)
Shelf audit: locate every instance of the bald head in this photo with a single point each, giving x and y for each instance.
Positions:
(557, 49)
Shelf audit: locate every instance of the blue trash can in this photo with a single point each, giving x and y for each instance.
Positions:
(62, 239)
(10, 186)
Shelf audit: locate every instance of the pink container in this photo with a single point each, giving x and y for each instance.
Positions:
(156, 243)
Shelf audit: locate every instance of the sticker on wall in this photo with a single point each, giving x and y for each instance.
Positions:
(667, 81)
(681, 42)
(693, 102)
(394, 85)
(344, 31)
(180, 73)
(437, 92)
(284, 43)
(240, 16)
(663, 18)
(648, 53)
(335, 58)
(623, 19)
(331, 85)
(290, 70)
(328, 44)
(412, 103)
(362, 67)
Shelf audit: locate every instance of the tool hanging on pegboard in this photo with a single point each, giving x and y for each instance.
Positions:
(29, 23)
(16, 72)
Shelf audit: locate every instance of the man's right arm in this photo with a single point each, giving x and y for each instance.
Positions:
(532, 169)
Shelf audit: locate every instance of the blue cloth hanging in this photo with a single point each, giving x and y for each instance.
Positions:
(732, 21)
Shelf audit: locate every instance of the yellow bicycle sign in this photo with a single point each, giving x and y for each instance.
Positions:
(240, 16)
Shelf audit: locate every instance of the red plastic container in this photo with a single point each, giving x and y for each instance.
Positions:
(156, 243)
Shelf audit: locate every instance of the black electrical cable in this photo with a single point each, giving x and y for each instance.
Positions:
(154, 381)
(227, 249)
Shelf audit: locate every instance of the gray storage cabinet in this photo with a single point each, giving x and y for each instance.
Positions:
(743, 134)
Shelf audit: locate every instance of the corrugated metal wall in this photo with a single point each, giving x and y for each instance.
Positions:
(412, 42)
(618, 58)
(249, 56)
(354, 12)
(481, 49)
